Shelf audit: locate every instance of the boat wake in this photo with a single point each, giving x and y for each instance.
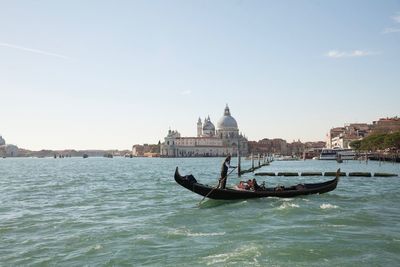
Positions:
(328, 206)
(287, 205)
(249, 254)
(187, 232)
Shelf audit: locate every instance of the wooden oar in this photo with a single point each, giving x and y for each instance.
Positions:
(217, 185)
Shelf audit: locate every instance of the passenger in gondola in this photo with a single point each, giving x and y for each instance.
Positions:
(249, 185)
(242, 186)
(224, 172)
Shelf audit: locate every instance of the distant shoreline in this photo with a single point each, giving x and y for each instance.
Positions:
(46, 153)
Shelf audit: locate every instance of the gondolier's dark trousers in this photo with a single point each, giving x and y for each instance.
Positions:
(224, 174)
(222, 183)
(222, 180)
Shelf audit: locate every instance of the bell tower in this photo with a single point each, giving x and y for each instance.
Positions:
(199, 127)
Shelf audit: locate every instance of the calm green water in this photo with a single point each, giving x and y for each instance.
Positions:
(130, 212)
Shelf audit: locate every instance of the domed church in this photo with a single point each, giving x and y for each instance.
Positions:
(210, 141)
(2, 141)
(7, 150)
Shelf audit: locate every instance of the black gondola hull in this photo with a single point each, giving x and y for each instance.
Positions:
(191, 184)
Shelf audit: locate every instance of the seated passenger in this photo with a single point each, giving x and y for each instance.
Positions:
(249, 185)
(242, 185)
(279, 188)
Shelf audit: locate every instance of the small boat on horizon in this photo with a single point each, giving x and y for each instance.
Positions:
(279, 157)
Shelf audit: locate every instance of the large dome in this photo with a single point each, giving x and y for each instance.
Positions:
(227, 121)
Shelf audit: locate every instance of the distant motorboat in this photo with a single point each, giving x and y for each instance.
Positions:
(285, 158)
(334, 153)
(85, 156)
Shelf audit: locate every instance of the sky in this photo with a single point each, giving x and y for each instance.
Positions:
(111, 74)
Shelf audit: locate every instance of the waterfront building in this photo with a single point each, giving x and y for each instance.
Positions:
(146, 150)
(386, 125)
(137, 150)
(343, 140)
(210, 141)
(2, 141)
(269, 146)
(282, 147)
(341, 137)
(11, 150)
(7, 150)
(334, 132)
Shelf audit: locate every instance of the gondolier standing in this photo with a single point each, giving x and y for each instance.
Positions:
(224, 172)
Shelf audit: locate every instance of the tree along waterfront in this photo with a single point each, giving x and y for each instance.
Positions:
(377, 142)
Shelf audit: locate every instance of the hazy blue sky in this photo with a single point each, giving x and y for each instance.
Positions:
(110, 74)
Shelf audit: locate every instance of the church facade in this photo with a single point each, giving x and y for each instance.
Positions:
(7, 150)
(210, 141)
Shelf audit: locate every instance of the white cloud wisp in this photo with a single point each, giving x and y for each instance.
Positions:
(349, 54)
(396, 28)
(186, 92)
(37, 51)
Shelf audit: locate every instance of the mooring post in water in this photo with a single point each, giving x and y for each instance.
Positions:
(238, 166)
(259, 163)
(252, 160)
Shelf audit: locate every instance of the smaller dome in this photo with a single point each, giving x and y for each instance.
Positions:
(208, 125)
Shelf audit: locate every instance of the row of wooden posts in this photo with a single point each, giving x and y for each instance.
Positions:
(265, 159)
(261, 161)
(350, 174)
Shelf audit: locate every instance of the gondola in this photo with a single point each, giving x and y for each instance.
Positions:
(191, 183)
